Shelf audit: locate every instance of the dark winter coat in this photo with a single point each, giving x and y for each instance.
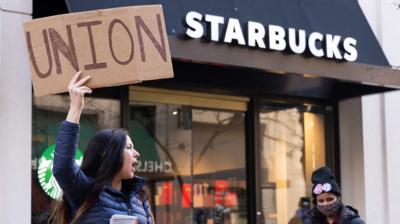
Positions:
(299, 216)
(348, 215)
(76, 185)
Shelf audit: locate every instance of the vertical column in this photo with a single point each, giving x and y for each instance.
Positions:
(382, 140)
(381, 15)
(391, 46)
(352, 154)
(15, 114)
(374, 142)
(392, 123)
(369, 142)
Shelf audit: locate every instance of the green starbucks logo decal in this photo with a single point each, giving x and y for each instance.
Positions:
(45, 173)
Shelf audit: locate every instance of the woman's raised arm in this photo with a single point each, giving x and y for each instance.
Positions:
(69, 176)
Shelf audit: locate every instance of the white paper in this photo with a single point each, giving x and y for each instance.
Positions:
(123, 219)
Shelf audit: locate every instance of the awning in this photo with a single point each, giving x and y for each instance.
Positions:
(337, 17)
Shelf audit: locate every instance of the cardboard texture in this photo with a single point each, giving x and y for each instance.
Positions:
(114, 46)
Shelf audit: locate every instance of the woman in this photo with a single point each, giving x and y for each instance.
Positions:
(328, 206)
(105, 184)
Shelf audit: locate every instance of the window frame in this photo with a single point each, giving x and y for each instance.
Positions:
(254, 149)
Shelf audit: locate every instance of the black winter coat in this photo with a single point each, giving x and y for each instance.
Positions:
(348, 215)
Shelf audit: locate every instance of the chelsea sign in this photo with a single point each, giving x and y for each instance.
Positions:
(271, 37)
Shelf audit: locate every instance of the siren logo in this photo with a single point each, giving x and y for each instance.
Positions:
(45, 173)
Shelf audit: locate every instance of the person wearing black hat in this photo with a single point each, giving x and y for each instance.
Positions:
(328, 206)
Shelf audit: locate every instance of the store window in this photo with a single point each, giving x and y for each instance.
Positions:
(219, 167)
(193, 157)
(292, 145)
(48, 112)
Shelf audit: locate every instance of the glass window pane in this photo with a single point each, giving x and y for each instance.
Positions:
(219, 174)
(292, 145)
(181, 150)
(162, 135)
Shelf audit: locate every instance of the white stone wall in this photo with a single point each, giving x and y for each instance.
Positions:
(351, 154)
(374, 147)
(370, 142)
(382, 149)
(383, 17)
(370, 130)
(15, 114)
(392, 154)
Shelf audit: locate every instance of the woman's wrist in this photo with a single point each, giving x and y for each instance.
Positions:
(74, 115)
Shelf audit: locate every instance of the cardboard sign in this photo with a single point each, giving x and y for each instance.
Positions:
(114, 46)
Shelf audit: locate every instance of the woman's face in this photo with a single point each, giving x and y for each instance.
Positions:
(130, 161)
(326, 198)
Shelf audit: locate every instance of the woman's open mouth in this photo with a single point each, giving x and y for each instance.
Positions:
(134, 165)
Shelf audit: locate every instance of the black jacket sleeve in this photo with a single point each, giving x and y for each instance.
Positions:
(68, 174)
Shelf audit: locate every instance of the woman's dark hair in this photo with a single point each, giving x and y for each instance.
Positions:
(103, 159)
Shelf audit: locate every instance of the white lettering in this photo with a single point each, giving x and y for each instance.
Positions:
(139, 166)
(276, 38)
(332, 46)
(256, 34)
(154, 166)
(301, 46)
(193, 21)
(349, 45)
(312, 44)
(151, 167)
(234, 32)
(167, 167)
(214, 21)
(158, 166)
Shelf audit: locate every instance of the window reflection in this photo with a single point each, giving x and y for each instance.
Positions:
(192, 183)
(292, 145)
(219, 167)
(164, 143)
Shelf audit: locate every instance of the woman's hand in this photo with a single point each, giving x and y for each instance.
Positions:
(77, 93)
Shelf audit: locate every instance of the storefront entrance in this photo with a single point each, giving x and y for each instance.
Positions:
(195, 152)
(221, 158)
(293, 143)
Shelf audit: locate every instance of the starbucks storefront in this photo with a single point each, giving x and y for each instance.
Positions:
(251, 112)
